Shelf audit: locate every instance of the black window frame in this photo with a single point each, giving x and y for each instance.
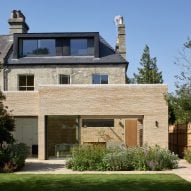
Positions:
(25, 87)
(98, 122)
(66, 76)
(89, 35)
(41, 50)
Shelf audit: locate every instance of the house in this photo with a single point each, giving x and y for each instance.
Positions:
(70, 88)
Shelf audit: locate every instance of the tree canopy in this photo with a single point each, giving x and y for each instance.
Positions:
(148, 73)
(180, 101)
(7, 124)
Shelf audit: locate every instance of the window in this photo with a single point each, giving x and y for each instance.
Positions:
(56, 47)
(26, 82)
(81, 47)
(98, 122)
(99, 79)
(64, 79)
(40, 47)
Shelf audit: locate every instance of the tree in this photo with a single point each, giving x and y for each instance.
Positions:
(148, 73)
(7, 124)
(180, 102)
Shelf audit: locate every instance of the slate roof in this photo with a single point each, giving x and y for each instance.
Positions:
(5, 45)
(107, 55)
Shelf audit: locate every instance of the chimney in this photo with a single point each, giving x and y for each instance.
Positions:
(17, 22)
(120, 44)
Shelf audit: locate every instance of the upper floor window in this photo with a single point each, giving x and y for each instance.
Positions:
(56, 47)
(99, 79)
(26, 82)
(81, 47)
(37, 47)
(64, 79)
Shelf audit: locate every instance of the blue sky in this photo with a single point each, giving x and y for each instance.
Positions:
(162, 24)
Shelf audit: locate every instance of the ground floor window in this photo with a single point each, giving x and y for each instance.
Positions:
(98, 122)
(26, 131)
(62, 133)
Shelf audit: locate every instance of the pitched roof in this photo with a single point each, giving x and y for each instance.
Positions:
(5, 45)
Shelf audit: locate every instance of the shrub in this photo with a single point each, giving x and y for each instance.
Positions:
(137, 158)
(87, 157)
(187, 155)
(12, 158)
(141, 158)
(118, 160)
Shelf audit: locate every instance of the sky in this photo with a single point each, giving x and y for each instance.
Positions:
(164, 25)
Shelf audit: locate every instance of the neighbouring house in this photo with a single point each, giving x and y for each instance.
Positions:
(70, 88)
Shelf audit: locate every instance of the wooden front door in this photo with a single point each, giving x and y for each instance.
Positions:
(131, 133)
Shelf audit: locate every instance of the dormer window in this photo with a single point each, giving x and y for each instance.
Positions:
(37, 47)
(56, 45)
(81, 47)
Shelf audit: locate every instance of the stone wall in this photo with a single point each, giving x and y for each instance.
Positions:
(50, 74)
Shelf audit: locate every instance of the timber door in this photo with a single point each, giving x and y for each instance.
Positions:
(131, 133)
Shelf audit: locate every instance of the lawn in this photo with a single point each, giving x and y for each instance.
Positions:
(157, 182)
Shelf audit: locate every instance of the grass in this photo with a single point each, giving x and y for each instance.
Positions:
(156, 182)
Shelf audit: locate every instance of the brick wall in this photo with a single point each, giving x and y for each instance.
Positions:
(97, 100)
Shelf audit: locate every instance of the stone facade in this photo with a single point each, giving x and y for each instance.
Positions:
(44, 75)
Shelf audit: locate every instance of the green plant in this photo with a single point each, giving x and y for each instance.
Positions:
(12, 157)
(137, 158)
(7, 123)
(87, 157)
(187, 155)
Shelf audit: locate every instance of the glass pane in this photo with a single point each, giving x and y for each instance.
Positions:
(29, 46)
(22, 81)
(47, 47)
(22, 88)
(104, 79)
(30, 80)
(78, 47)
(64, 79)
(95, 79)
(98, 122)
(90, 47)
(38, 47)
(30, 88)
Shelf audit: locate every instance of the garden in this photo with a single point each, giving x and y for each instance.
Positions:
(143, 158)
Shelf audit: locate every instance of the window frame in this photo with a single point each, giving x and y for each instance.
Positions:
(101, 120)
(100, 75)
(26, 85)
(59, 78)
(90, 50)
(39, 45)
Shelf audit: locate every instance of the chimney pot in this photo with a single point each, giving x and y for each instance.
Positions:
(13, 14)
